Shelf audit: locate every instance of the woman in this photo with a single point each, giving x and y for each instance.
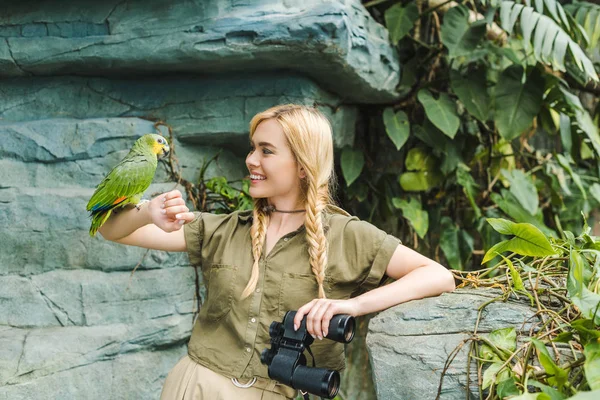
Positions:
(294, 251)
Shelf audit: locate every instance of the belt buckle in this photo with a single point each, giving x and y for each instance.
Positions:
(243, 385)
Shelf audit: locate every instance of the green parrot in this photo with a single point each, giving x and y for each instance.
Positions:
(128, 180)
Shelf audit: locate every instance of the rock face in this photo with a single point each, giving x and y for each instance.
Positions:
(79, 82)
(334, 42)
(410, 343)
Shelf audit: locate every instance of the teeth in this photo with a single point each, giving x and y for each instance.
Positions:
(257, 177)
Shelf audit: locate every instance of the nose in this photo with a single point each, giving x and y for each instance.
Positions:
(252, 160)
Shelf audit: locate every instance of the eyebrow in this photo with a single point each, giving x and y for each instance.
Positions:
(263, 144)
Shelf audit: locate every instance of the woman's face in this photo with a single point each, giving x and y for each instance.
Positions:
(274, 172)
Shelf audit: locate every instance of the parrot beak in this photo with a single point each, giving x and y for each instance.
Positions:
(165, 150)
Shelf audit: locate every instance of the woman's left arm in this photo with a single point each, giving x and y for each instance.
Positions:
(416, 277)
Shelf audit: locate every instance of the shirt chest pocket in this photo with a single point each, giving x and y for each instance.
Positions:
(221, 279)
(296, 290)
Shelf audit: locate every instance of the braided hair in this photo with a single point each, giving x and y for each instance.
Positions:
(309, 136)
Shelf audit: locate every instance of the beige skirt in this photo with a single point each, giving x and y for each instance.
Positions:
(189, 380)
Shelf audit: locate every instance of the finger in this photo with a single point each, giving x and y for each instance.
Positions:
(185, 217)
(173, 211)
(318, 319)
(172, 195)
(311, 322)
(331, 311)
(178, 201)
(302, 311)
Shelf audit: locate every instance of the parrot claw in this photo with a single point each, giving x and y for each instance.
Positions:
(139, 205)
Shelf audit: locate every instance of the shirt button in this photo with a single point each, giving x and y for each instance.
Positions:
(286, 239)
(248, 349)
(258, 290)
(253, 320)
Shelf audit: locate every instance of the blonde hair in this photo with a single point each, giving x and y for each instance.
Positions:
(309, 136)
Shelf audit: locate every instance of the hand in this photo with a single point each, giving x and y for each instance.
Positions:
(319, 313)
(169, 212)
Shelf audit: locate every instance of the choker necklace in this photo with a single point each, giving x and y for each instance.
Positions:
(270, 209)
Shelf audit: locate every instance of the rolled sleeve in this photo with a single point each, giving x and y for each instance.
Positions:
(380, 262)
(194, 234)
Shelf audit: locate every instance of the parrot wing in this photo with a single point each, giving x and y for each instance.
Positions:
(133, 175)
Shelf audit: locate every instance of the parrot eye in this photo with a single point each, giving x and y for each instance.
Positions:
(160, 140)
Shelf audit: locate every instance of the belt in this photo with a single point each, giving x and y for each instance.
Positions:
(267, 384)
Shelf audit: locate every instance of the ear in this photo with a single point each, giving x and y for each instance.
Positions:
(301, 173)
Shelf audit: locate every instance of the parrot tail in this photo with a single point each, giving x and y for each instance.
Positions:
(98, 219)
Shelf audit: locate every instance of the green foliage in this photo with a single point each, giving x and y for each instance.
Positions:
(396, 126)
(588, 16)
(352, 164)
(517, 361)
(489, 124)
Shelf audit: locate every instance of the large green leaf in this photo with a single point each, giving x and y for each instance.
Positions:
(423, 174)
(352, 163)
(416, 216)
(517, 102)
(527, 241)
(523, 188)
(472, 92)
(592, 365)
(458, 35)
(441, 112)
(397, 126)
(400, 20)
(505, 338)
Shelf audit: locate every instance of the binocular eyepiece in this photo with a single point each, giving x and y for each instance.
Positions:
(287, 363)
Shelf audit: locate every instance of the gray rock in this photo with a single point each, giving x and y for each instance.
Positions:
(201, 111)
(410, 343)
(47, 351)
(336, 43)
(93, 374)
(46, 229)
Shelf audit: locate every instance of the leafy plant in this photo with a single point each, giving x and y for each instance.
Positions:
(494, 120)
(523, 364)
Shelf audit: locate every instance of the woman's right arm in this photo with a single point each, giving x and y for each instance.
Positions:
(156, 225)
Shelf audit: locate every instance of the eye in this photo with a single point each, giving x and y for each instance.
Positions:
(160, 141)
(267, 151)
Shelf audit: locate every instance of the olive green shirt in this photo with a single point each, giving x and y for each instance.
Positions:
(230, 334)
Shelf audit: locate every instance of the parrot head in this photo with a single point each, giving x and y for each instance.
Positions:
(156, 143)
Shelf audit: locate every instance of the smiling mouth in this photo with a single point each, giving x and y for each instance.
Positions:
(257, 177)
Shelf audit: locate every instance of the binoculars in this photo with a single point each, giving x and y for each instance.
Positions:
(287, 363)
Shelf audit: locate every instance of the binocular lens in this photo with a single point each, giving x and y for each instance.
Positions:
(341, 328)
(349, 330)
(334, 385)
